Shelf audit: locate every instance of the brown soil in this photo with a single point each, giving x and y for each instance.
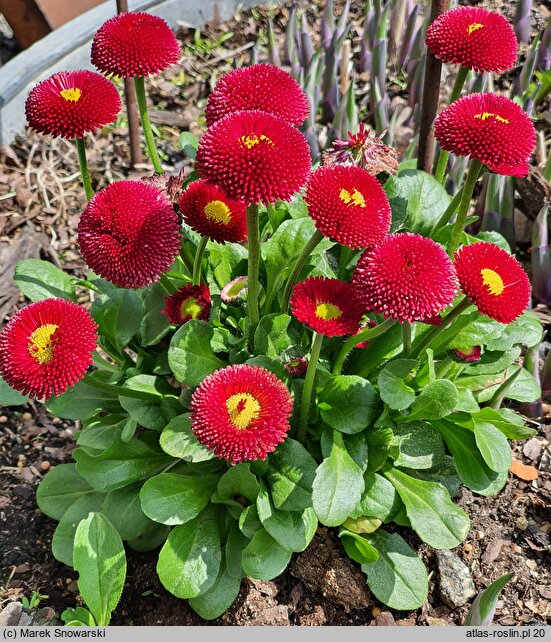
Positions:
(41, 203)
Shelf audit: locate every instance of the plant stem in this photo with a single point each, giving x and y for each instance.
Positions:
(84, 174)
(456, 92)
(166, 284)
(198, 262)
(345, 256)
(117, 390)
(364, 335)
(186, 259)
(431, 335)
(139, 85)
(406, 333)
(450, 210)
(314, 241)
(317, 341)
(271, 211)
(444, 367)
(499, 394)
(253, 234)
(468, 189)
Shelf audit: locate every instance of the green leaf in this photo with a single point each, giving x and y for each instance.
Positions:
(437, 400)
(238, 481)
(11, 397)
(493, 362)
(525, 387)
(338, 485)
(483, 608)
(269, 364)
(264, 558)
(189, 561)
(82, 402)
(493, 446)
(61, 487)
(190, 355)
(479, 330)
(526, 330)
(378, 445)
(225, 260)
(101, 564)
(433, 515)
(422, 196)
(101, 432)
(120, 464)
(272, 335)
(118, 315)
(178, 440)
(444, 473)
(398, 578)
(249, 522)
(189, 143)
(466, 401)
(392, 387)
(78, 616)
(291, 471)
(153, 324)
(40, 280)
(176, 499)
(123, 509)
(219, 597)
(235, 545)
(510, 424)
(417, 444)
(292, 530)
(358, 548)
(152, 537)
(64, 534)
(151, 414)
(379, 498)
(348, 403)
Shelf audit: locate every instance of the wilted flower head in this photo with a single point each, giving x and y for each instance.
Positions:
(72, 103)
(171, 184)
(490, 128)
(47, 347)
(188, 302)
(264, 87)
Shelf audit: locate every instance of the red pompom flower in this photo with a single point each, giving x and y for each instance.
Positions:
(493, 280)
(474, 38)
(47, 347)
(264, 87)
(348, 205)
(207, 210)
(241, 412)
(254, 157)
(72, 103)
(129, 234)
(491, 128)
(408, 277)
(188, 302)
(134, 44)
(328, 306)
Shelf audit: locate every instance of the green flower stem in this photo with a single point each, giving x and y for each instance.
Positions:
(102, 363)
(499, 394)
(271, 211)
(198, 263)
(253, 286)
(444, 368)
(186, 259)
(364, 335)
(406, 333)
(345, 257)
(450, 211)
(317, 341)
(461, 218)
(139, 85)
(315, 240)
(117, 390)
(166, 284)
(84, 174)
(431, 335)
(456, 92)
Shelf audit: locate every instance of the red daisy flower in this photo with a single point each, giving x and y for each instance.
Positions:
(408, 277)
(207, 210)
(348, 205)
(328, 306)
(188, 302)
(47, 347)
(473, 37)
(235, 290)
(72, 103)
(296, 367)
(254, 157)
(469, 354)
(241, 412)
(129, 234)
(264, 87)
(134, 44)
(491, 128)
(493, 280)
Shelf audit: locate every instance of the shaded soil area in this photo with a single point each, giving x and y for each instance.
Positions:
(40, 202)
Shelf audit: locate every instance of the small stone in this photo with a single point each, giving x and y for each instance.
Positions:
(467, 548)
(3, 419)
(375, 612)
(26, 416)
(479, 535)
(532, 565)
(273, 616)
(72, 586)
(11, 613)
(521, 523)
(515, 548)
(45, 465)
(22, 568)
(68, 580)
(456, 584)
(24, 619)
(532, 449)
(385, 619)
(437, 621)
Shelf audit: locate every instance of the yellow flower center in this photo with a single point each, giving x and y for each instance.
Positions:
(255, 139)
(475, 26)
(327, 311)
(217, 211)
(487, 114)
(190, 308)
(493, 281)
(354, 198)
(71, 95)
(41, 346)
(243, 409)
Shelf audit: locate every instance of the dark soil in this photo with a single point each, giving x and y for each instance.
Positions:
(41, 200)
